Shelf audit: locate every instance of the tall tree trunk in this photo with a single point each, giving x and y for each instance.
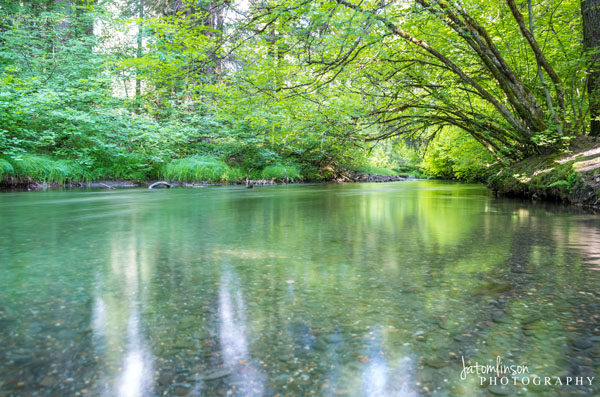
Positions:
(83, 8)
(63, 27)
(590, 10)
(139, 52)
(215, 19)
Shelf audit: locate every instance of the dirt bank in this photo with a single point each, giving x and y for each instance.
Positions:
(572, 177)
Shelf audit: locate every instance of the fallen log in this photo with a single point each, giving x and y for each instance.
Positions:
(161, 183)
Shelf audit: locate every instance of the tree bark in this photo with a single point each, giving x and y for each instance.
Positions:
(590, 11)
(63, 26)
(537, 51)
(139, 49)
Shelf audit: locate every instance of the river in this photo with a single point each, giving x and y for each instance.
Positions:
(393, 289)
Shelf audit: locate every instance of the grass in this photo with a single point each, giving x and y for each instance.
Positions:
(280, 172)
(45, 169)
(200, 168)
(5, 168)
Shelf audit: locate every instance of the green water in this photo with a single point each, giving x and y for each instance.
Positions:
(359, 289)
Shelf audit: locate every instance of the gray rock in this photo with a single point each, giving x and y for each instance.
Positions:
(181, 389)
(582, 344)
(499, 316)
(433, 363)
(215, 375)
(48, 381)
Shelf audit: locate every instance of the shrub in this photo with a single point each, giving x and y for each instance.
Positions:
(200, 168)
(281, 172)
(370, 169)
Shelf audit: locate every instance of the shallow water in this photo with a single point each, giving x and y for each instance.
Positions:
(359, 289)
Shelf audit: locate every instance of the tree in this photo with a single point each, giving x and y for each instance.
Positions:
(422, 67)
(590, 11)
(139, 47)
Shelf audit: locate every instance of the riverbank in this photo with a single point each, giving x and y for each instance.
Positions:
(14, 184)
(572, 177)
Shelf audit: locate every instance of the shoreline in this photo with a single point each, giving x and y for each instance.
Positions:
(570, 178)
(19, 186)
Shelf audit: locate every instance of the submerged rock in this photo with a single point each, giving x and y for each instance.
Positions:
(215, 374)
(582, 344)
(437, 364)
(48, 381)
(499, 390)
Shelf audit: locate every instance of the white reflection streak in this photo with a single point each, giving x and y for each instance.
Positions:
(108, 316)
(137, 370)
(232, 335)
(380, 379)
(375, 378)
(99, 317)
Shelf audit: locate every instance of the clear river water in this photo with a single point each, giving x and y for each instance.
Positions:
(395, 289)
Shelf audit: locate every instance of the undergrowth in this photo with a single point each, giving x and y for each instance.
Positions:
(200, 168)
(280, 172)
(44, 169)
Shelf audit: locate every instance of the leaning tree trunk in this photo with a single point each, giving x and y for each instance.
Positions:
(590, 10)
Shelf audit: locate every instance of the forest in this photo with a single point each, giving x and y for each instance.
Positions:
(291, 90)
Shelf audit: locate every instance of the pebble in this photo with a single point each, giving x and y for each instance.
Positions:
(181, 389)
(216, 375)
(499, 390)
(433, 363)
(283, 378)
(461, 338)
(48, 381)
(582, 344)
(320, 345)
(461, 390)
(531, 319)
(499, 316)
(165, 378)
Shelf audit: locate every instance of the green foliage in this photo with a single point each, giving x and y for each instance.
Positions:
(281, 172)
(455, 155)
(200, 169)
(411, 171)
(562, 182)
(563, 176)
(371, 169)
